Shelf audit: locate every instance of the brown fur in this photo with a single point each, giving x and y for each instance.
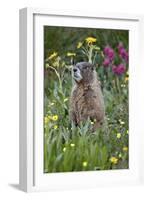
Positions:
(86, 98)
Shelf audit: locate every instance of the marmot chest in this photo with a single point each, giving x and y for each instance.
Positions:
(86, 98)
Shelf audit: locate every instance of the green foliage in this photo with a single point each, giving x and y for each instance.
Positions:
(68, 148)
(65, 39)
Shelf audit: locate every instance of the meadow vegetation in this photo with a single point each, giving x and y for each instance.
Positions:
(69, 148)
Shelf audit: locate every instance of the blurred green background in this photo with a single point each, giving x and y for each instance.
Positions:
(65, 39)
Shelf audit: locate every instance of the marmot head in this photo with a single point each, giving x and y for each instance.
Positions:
(83, 72)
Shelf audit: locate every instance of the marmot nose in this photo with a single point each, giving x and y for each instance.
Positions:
(74, 70)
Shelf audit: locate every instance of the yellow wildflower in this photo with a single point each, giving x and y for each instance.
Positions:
(90, 40)
(64, 149)
(118, 135)
(123, 85)
(114, 160)
(120, 155)
(125, 149)
(69, 54)
(66, 99)
(53, 55)
(84, 164)
(55, 118)
(121, 122)
(79, 45)
(72, 145)
(49, 117)
(46, 120)
(92, 123)
(126, 79)
(55, 127)
(52, 104)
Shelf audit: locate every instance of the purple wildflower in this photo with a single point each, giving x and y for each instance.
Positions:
(106, 50)
(109, 52)
(120, 46)
(106, 62)
(122, 52)
(119, 70)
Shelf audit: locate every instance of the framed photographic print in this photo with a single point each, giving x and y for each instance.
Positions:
(80, 123)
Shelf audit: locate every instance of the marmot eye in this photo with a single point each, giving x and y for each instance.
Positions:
(74, 70)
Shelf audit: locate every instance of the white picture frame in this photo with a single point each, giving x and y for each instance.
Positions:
(31, 175)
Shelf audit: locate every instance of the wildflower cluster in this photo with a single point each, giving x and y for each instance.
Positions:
(109, 59)
(89, 48)
(49, 118)
(114, 160)
(90, 40)
(65, 148)
(109, 56)
(123, 52)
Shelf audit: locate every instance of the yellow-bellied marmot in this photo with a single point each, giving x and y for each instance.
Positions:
(86, 97)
